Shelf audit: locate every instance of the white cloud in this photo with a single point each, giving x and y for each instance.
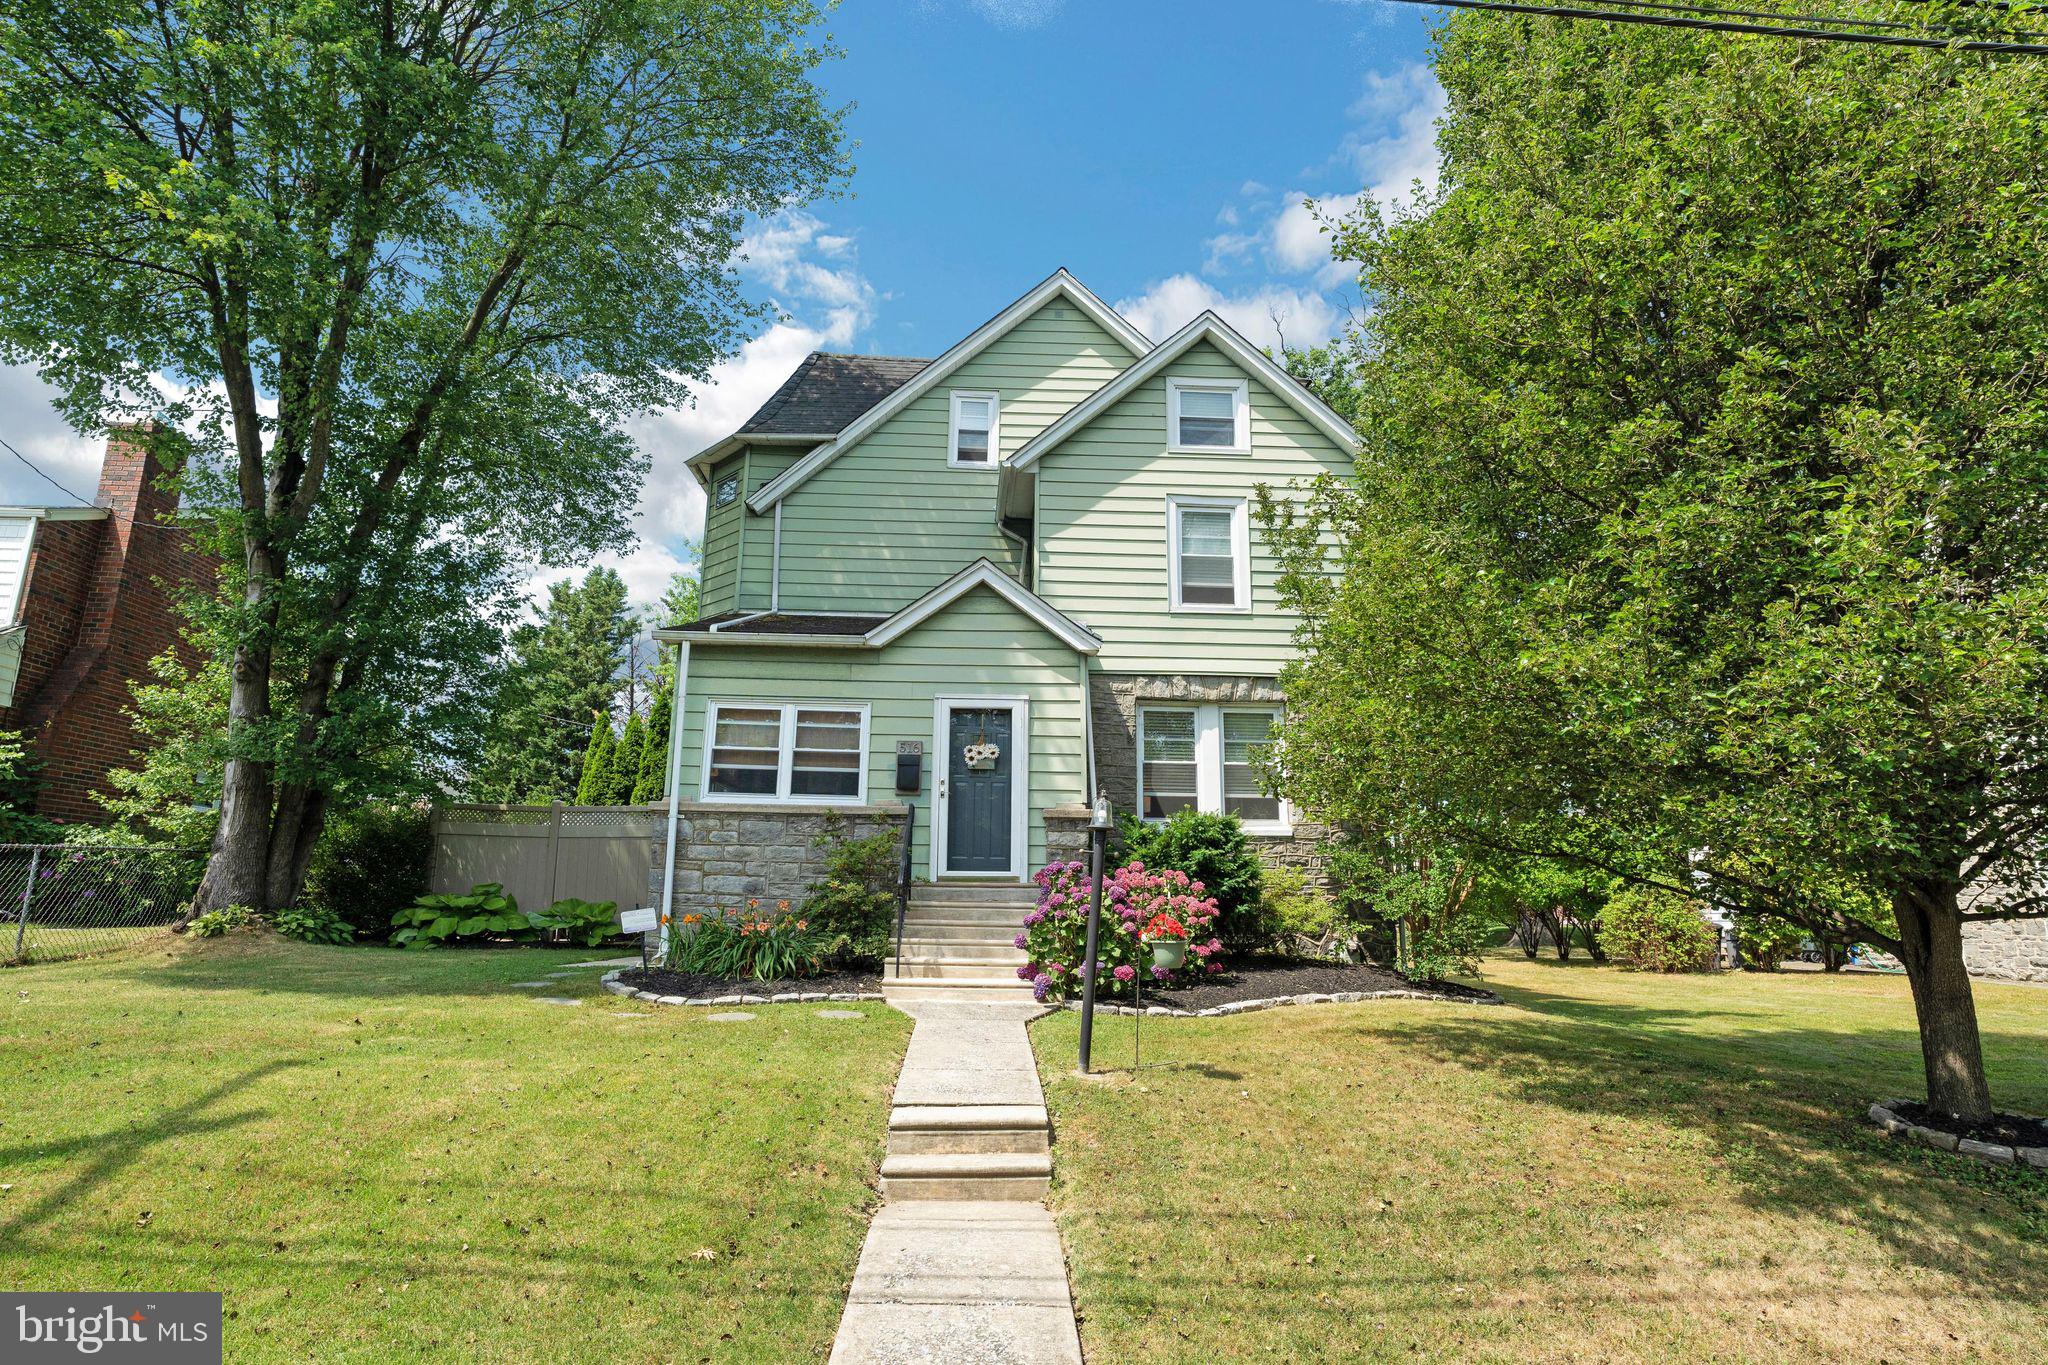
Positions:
(1267, 314)
(1396, 147)
(1014, 13)
(29, 422)
(778, 252)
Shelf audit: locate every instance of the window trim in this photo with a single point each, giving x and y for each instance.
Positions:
(1240, 555)
(785, 752)
(1241, 442)
(995, 428)
(1209, 761)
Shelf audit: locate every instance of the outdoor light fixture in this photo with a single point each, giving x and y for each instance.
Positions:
(1098, 841)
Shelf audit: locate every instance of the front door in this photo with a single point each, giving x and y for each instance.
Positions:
(978, 796)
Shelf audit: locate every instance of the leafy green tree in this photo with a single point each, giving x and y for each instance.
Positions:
(594, 787)
(622, 770)
(651, 782)
(1697, 530)
(19, 824)
(561, 671)
(411, 267)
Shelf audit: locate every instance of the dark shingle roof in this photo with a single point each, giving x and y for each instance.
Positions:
(788, 623)
(828, 392)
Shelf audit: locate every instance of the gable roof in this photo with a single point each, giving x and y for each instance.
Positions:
(1208, 327)
(982, 574)
(931, 375)
(829, 390)
(854, 631)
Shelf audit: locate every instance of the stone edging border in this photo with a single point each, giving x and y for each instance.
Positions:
(610, 981)
(1279, 1001)
(1991, 1153)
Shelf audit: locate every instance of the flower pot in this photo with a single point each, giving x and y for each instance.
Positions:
(1169, 953)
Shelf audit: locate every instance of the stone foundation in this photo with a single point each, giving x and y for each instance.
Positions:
(1115, 698)
(2007, 950)
(729, 855)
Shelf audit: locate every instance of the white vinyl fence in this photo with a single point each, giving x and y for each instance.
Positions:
(542, 854)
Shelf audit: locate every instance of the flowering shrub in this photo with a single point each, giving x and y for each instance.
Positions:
(763, 945)
(1134, 899)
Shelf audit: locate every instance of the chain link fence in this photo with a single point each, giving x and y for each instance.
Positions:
(67, 900)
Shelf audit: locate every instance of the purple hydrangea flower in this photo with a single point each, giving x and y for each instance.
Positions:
(1126, 974)
(1021, 941)
(1160, 973)
(1041, 987)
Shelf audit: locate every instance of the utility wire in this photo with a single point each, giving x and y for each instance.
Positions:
(1725, 26)
(46, 478)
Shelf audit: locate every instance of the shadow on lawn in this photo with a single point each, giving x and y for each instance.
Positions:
(1788, 1129)
(365, 971)
(122, 1147)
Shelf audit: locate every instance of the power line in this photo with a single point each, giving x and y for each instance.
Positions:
(39, 470)
(1726, 26)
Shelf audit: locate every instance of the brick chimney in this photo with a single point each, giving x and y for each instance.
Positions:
(129, 566)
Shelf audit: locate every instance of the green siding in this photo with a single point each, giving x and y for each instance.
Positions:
(888, 520)
(980, 644)
(757, 560)
(1101, 527)
(724, 527)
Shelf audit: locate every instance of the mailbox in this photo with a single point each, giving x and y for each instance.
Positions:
(909, 767)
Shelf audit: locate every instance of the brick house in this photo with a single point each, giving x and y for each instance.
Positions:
(86, 601)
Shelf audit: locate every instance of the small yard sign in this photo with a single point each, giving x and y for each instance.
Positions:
(641, 921)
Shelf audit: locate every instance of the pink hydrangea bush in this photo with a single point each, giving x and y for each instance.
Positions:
(1056, 931)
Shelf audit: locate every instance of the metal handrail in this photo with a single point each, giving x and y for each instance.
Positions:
(903, 878)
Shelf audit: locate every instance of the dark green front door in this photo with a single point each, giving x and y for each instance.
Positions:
(978, 798)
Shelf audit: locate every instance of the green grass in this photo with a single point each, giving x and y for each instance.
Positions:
(381, 1155)
(1612, 1166)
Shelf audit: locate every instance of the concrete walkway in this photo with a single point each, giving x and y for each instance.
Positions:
(962, 1263)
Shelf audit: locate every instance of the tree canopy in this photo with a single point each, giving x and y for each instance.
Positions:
(404, 269)
(1700, 526)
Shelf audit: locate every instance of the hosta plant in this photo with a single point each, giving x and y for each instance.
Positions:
(313, 924)
(484, 911)
(586, 922)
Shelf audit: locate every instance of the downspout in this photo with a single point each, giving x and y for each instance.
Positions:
(1088, 728)
(675, 784)
(775, 565)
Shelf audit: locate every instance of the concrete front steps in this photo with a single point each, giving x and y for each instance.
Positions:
(959, 943)
(969, 1121)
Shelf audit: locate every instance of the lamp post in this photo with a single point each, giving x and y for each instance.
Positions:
(1098, 842)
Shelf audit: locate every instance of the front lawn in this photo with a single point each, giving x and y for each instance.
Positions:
(1610, 1166)
(383, 1155)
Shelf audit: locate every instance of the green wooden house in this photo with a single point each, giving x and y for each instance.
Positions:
(970, 591)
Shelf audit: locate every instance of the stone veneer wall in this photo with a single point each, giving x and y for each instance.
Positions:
(1115, 698)
(2013, 950)
(729, 855)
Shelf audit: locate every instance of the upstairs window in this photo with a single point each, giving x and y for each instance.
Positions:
(1208, 758)
(1208, 415)
(1209, 553)
(975, 438)
(786, 752)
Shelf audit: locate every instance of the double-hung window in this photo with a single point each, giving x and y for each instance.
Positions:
(975, 439)
(1208, 416)
(786, 751)
(1208, 548)
(1208, 758)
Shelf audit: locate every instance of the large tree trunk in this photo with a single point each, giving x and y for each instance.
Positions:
(1931, 947)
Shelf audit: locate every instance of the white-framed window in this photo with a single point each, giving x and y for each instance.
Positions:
(976, 435)
(1208, 550)
(1206, 758)
(728, 491)
(1211, 416)
(786, 751)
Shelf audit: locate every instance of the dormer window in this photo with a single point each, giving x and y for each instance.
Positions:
(728, 491)
(1208, 415)
(974, 439)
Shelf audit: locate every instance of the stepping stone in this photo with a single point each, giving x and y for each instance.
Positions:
(729, 1017)
(841, 1014)
(628, 1014)
(531, 985)
(556, 1000)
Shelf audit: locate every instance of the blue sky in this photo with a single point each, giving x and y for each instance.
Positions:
(1160, 151)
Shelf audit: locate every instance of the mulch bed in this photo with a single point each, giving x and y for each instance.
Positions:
(695, 986)
(2009, 1130)
(1265, 978)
